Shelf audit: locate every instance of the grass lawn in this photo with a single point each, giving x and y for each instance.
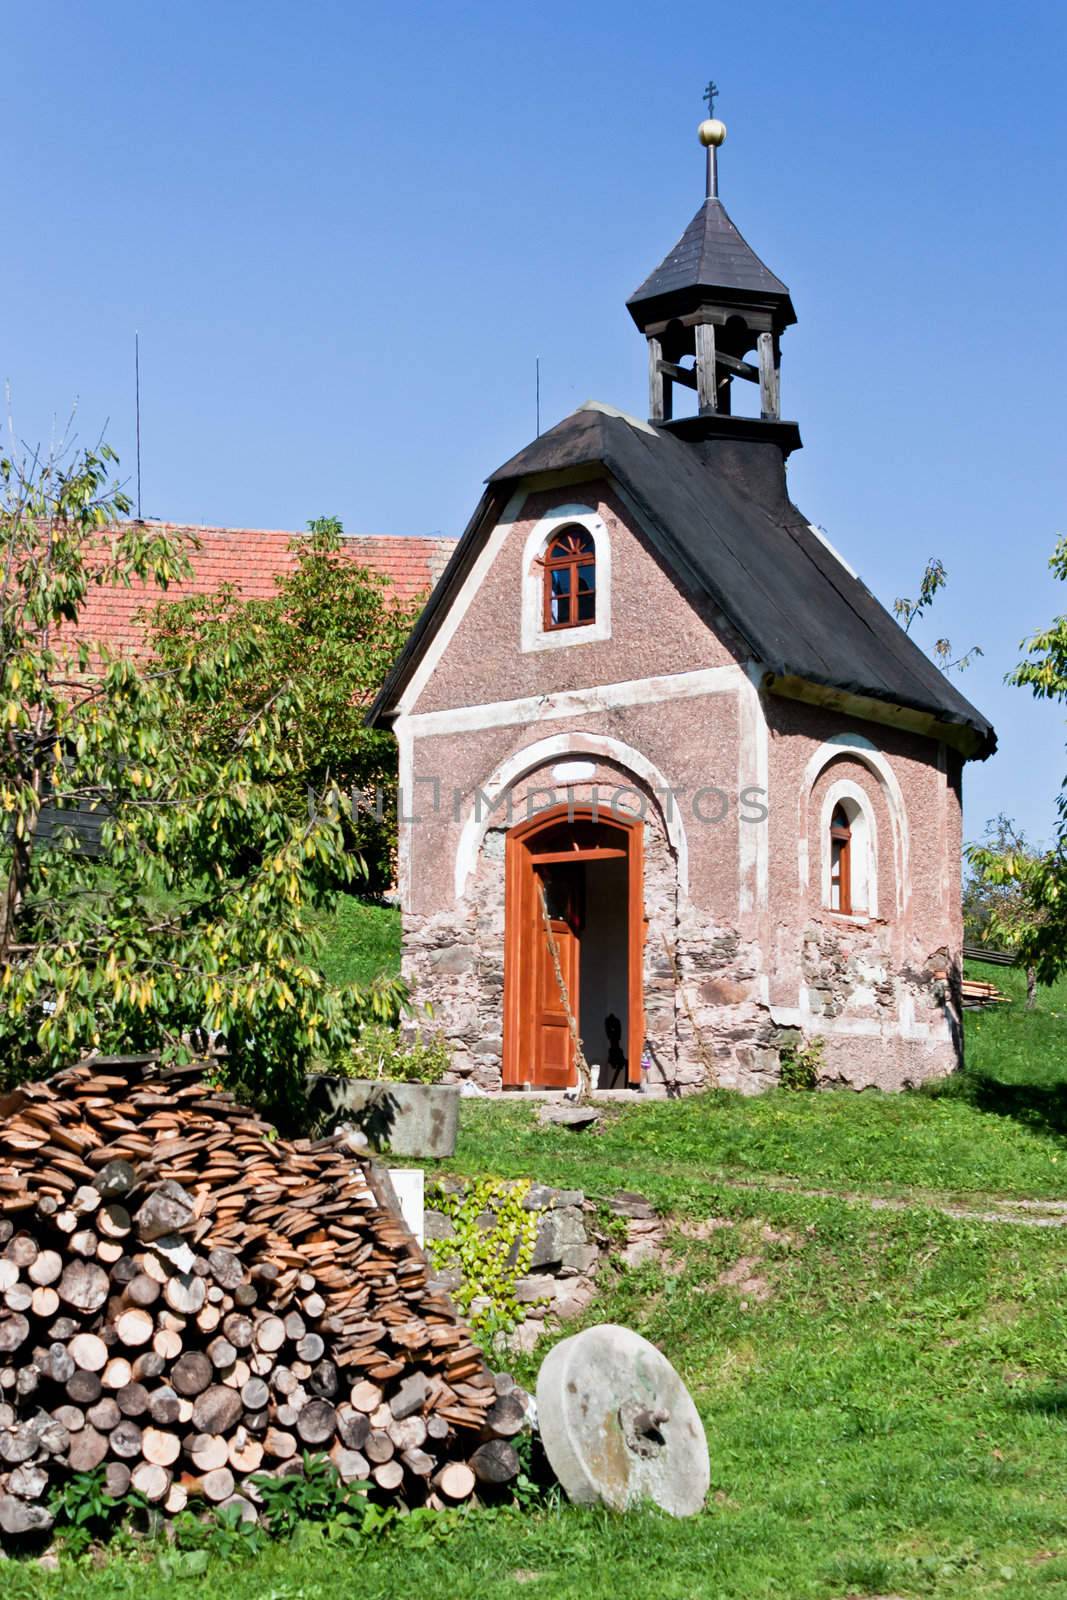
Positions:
(362, 942)
(884, 1390)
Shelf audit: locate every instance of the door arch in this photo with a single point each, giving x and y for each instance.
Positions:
(590, 863)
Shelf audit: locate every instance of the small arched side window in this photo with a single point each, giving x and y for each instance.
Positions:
(840, 860)
(570, 580)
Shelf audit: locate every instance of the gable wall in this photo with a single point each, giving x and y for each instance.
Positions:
(655, 626)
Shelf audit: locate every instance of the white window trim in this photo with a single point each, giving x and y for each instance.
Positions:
(863, 848)
(535, 636)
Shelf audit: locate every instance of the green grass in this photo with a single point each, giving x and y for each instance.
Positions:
(886, 1416)
(362, 942)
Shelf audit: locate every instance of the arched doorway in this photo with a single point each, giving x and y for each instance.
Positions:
(574, 890)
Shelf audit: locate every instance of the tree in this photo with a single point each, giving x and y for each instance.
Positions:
(331, 631)
(998, 908)
(908, 611)
(1040, 933)
(192, 912)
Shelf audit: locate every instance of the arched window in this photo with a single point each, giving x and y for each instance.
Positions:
(840, 860)
(570, 579)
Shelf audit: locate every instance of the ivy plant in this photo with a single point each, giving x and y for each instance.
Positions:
(492, 1245)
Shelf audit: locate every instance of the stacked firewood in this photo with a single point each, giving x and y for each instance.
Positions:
(189, 1300)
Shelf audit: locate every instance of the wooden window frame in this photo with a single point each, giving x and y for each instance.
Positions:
(841, 836)
(570, 564)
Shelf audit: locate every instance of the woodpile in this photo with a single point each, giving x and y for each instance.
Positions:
(189, 1300)
(978, 995)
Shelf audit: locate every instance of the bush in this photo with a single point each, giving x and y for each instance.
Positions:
(801, 1064)
(384, 1052)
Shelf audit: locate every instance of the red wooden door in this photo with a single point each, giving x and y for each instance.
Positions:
(553, 1042)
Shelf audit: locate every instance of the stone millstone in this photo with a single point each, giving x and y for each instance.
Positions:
(618, 1424)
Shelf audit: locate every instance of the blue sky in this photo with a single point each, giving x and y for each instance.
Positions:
(346, 232)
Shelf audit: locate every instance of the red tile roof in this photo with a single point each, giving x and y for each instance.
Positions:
(251, 559)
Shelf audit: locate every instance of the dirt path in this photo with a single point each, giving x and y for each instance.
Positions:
(979, 1208)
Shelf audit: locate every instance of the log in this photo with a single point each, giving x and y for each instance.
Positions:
(17, 1518)
(88, 1352)
(270, 1334)
(84, 1387)
(117, 1373)
(134, 1328)
(255, 1394)
(167, 1210)
(44, 1302)
(143, 1290)
(407, 1434)
(226, 1268)
(222, 1352)
(177, 1499)
(508, 1416)
(316, 1423)
(167, 1343)
(105, 1415)
(217, 1485)
(209, 1451)
(378, 1446)
(14, 1331)
(418, 1463)
(117, 1479)
(87, 1449)
(279, 1444)
(45, 1268)
(353, 1427)
(389, 1476)
(113, 1220)
(246, 1455)
(239, 1330)
(132, 1399)
(84, 1286)
(29, 1481)
(164, 1406)
(192, 1373)
(495, 1462)
(185, 1293)
(217, 1410)
(148, 1365)
(366, 1396)
(160, 1447)
(70, 1417)
(126, 1440)
(151, 1480)
(351, 1466)
(456, 1481)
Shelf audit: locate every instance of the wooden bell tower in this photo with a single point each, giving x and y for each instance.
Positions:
(710, 304)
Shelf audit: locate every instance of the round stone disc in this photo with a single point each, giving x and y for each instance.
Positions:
(618, 1424)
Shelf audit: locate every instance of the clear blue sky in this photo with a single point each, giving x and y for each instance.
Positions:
(345, 232)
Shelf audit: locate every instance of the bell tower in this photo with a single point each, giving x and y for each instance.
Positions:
(709, 305)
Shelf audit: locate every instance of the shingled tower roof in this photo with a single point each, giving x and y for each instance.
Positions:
(710, 257)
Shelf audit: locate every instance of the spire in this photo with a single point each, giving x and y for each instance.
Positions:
(712, 298)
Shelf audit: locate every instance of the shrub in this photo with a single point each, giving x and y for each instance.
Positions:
(384, 1052)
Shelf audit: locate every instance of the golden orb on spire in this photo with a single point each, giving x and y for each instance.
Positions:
(711, 131)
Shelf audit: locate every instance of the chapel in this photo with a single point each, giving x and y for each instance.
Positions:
(677, 792)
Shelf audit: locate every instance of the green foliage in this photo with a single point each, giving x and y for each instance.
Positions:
(196, 916)
(315, 1495)
(85, 1513)
(1034, 883)
(802, 1064)
(493, 1246)
(329, 634)
(998, 909)
(394, 1053)
(361, 942)
(907, 611)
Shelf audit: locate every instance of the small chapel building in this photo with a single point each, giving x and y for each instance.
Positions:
(672, 780)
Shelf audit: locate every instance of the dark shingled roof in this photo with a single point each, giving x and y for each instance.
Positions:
(711, 254)
(719, 513)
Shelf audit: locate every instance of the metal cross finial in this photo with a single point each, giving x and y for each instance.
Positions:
(711, 94)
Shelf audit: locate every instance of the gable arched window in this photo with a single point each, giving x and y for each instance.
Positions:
(840, 860)
(569, 579)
